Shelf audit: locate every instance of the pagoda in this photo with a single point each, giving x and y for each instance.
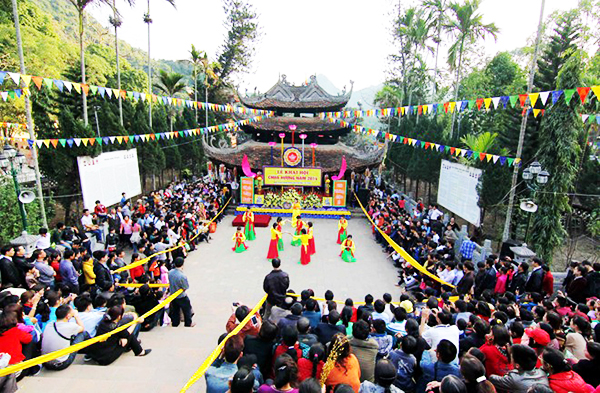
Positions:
(296, 111)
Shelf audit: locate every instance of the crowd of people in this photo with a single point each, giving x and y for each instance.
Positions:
(68, 289)
(488, 326)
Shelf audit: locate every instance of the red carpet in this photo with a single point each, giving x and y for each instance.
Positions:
(260, 221)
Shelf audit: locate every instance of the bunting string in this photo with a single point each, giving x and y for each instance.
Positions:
(108, 93)
(13, 126)
(432, 146)
(525, 101)
(136, 138)
(591, 119)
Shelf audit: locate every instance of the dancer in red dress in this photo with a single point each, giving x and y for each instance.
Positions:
(311, 239)
(342, 225)
(273, 246)
(304, 254)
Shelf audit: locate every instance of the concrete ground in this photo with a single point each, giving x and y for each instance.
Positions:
(218, 277)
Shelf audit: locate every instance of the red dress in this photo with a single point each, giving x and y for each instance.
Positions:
(273, 249)
(311, 243)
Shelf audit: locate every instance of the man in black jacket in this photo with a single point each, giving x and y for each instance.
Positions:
(489, 278)
(8, 271)
(104, 279)
(517, 284)
(325, 331)
(534, 283)
(275, 285)
(466, 282)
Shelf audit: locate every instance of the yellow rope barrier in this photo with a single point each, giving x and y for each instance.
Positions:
(407, 257)
(143, 261)
(76, 347)
(215, 353)
(136, 285)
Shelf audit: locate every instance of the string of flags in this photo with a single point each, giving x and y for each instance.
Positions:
(591, 118)
(107, 93)
(13, 94)
(526, 101)
(417, 143)
(18, 126)
(137, 138)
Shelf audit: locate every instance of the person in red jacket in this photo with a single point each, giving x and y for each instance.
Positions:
(12, 337)
(548, 281)
(560, 376)
(496, 352)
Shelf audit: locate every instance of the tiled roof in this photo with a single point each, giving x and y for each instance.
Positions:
(328, 157)
(284, 96)
(303, 124)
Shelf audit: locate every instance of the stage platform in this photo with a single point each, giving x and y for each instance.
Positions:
(325, 212)
(260, 220)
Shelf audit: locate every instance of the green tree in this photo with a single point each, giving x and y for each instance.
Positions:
(171, 84)
(241, 22)
(467, 26)
(437, 15)
(559, 153)
(10, 216)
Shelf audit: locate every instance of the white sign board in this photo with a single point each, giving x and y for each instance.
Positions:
(105, 177)
(457, 190)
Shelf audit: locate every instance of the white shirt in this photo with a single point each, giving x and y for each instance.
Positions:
(386, 318)
(435, 213)
(86, 221)
(435, 334)
(43, 242)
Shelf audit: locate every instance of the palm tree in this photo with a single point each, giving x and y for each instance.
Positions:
(115, 20)
(80, 5)
(465, 23)
(209, 72)
(148, 20)
(196, 60)
(170, 83)
(481, 142)
(436, 9)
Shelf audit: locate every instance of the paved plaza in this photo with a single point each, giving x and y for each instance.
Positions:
(218, 277)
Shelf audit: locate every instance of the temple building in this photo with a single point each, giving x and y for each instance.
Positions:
(297, 106)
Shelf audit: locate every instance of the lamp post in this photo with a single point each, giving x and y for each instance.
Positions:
(313, 146)
(272, 144)
(8, 158)
(303, 137)
(293, 129)
(282, 135)
(535, 177)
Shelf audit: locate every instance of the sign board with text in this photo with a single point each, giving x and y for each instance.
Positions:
(302, 177)
(339, 193)
(457, 190)
(247, 190)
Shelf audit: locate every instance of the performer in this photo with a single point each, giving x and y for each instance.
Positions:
(248, 219)
(280, 223)
(348, 247)
(239, 239)
(327, 183)
(295, 212)
(304, 254)
(299, 226)
(275, 238)
(311, 239)
(342, 225)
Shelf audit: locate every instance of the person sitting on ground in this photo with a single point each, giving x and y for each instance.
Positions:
(106, 352)
(286, 376)
(222, 370)
(313, 365)
(262, 346)
(385, 375)
(561, 378)
(242, 382)
(144, 300)
(379, 312)
(384, 341)
(445, 353)
(405, 362)
(588, 368)
(346, 369)
(365, 349)
(524, 375)
(325, 331)
(12, 338)
(240, 312)
(291, 319)
(89, 317)
(496, 350)
(311, 311)
(61, 334)
(304, 335)
(473, 371)
(289, 344)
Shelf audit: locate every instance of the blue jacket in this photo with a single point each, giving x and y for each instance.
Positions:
(435, 371)
(405, 368)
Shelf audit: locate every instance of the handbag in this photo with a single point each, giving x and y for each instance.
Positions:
(135, 237)
(70, 340)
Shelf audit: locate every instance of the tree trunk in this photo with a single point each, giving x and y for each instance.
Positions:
(429, 193)
(149, 73)
(437, 50)
(153, 181)
(456, 86)
(82, 59)
(118, 65)
(196, 92)
(417, 193)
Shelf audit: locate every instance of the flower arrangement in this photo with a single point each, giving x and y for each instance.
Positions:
(290, 197)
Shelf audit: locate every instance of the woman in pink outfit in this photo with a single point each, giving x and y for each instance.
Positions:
(501, 280)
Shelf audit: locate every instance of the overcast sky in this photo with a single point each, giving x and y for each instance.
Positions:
(342, 39)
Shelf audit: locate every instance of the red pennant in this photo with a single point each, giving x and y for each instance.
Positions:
(126, 138)
(479, 102)
(583, 92)
(92, 141)
(152, 136)
(420, 109)
(38, 81)
(523, 99)
(405, 141)
(481, 156)
(427, 144)
(54, 142)
(446, 104)
(452, 150)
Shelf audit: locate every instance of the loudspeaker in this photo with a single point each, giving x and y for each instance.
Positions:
(26, 196)
(528, 206)
(363, 196)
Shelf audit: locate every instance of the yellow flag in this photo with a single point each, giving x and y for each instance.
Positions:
(533, 97)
